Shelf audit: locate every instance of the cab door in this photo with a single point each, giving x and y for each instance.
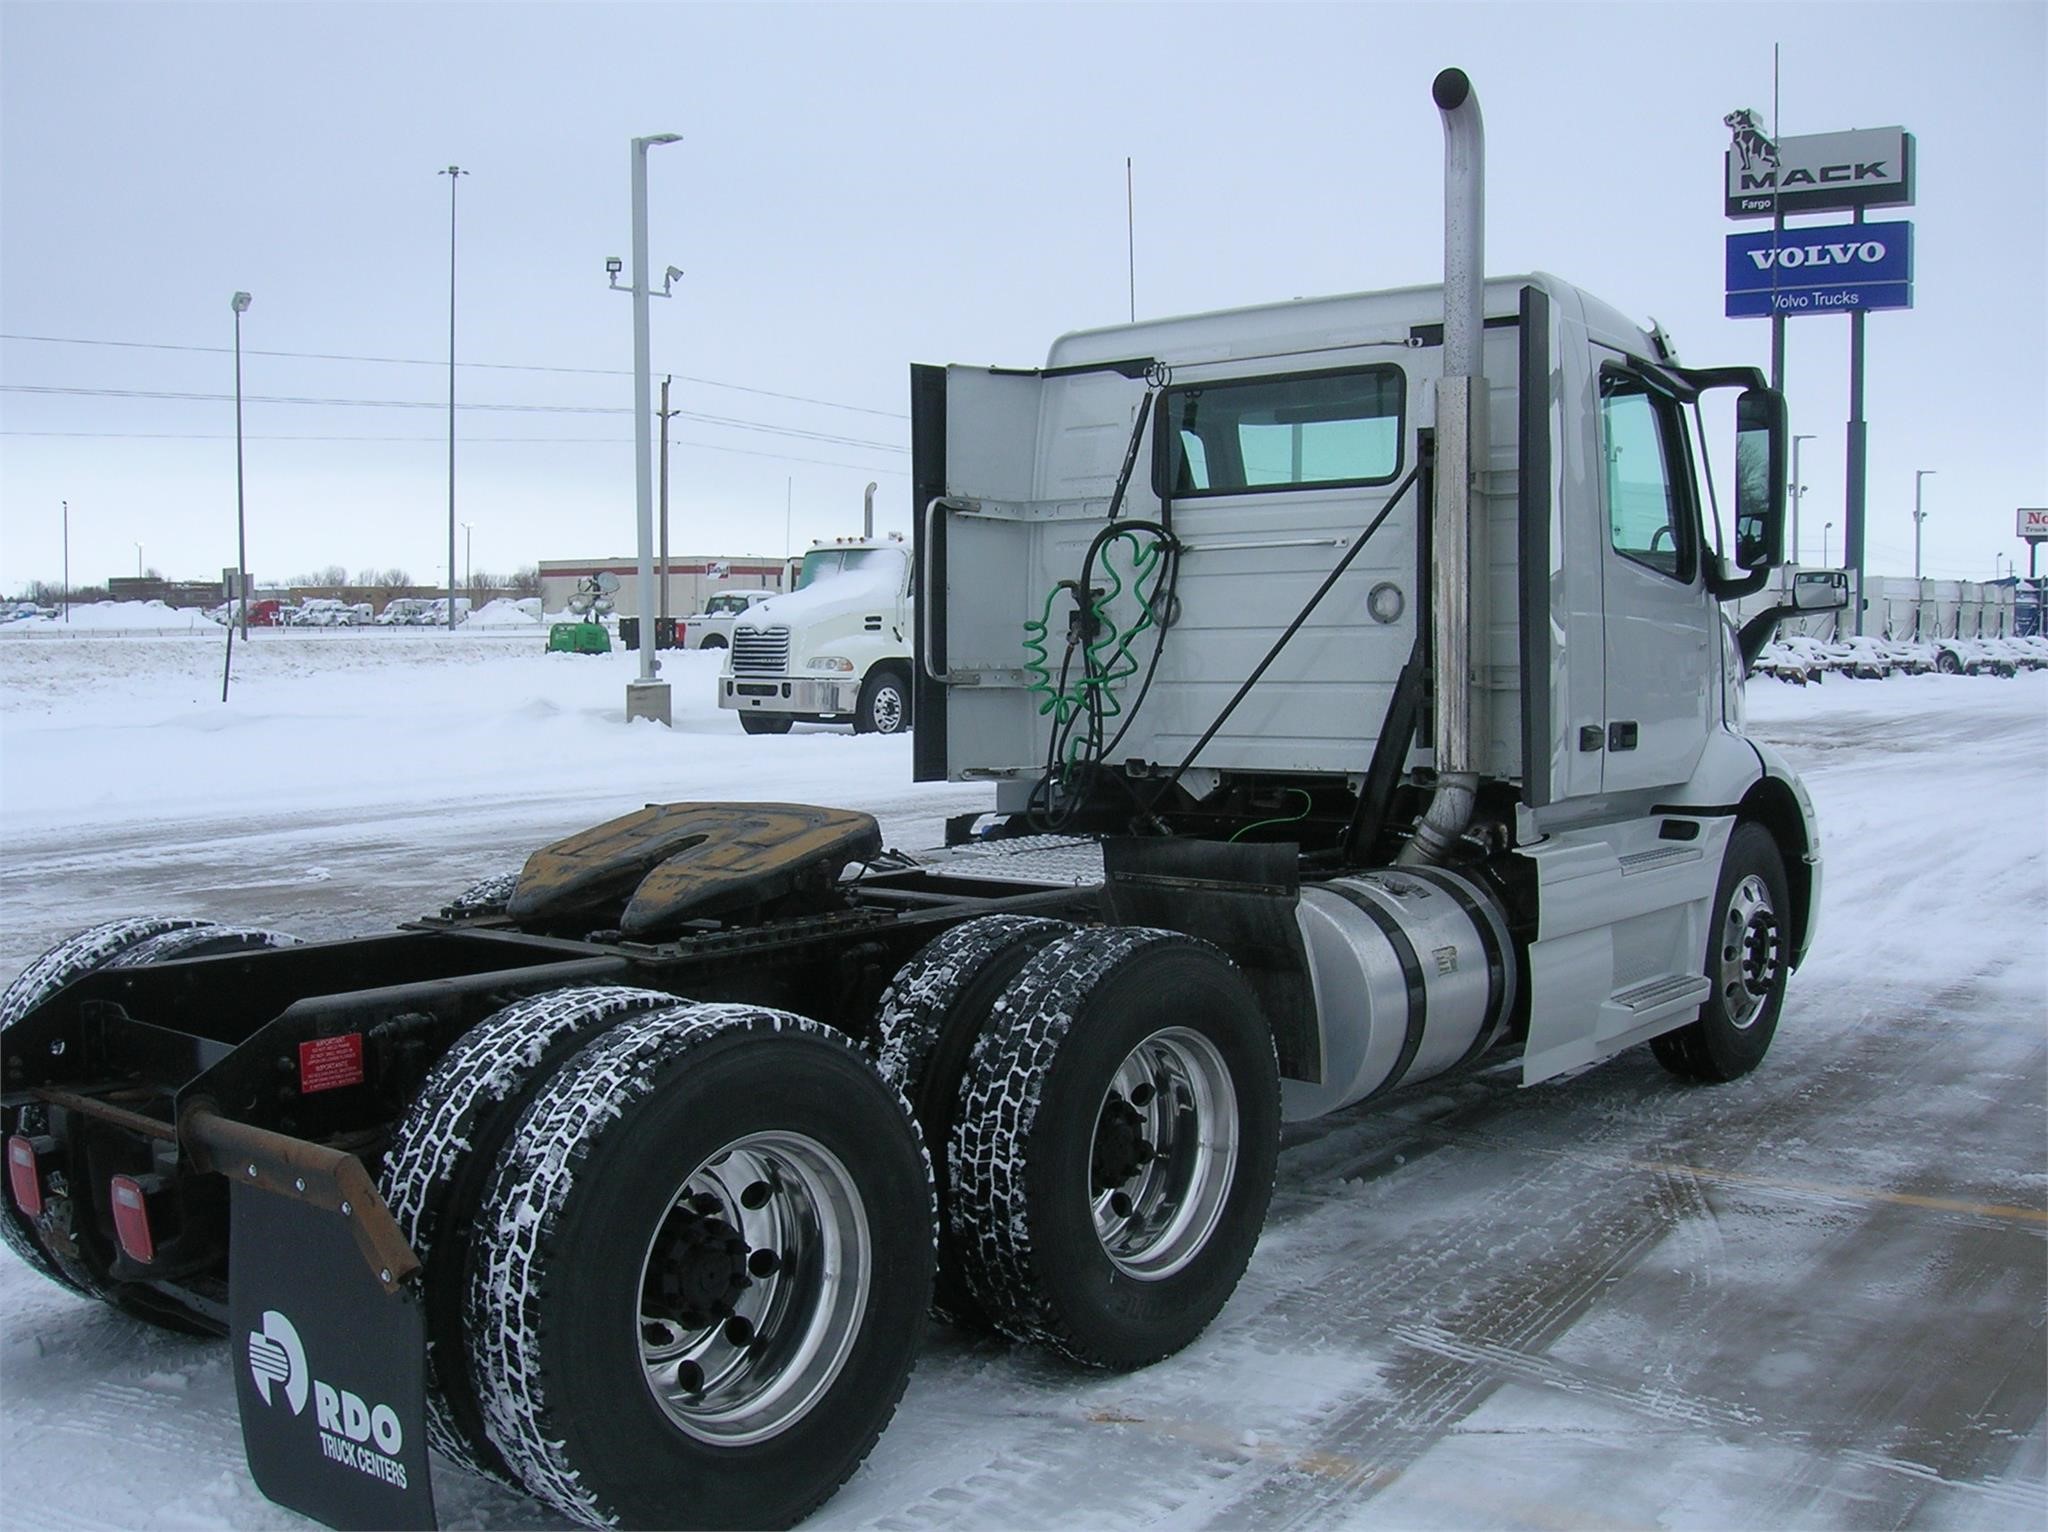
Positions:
(1662, 672)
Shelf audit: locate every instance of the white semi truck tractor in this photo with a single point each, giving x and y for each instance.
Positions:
(835, 648)
(1355, 681)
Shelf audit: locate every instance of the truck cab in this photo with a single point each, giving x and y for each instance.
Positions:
(833, 649)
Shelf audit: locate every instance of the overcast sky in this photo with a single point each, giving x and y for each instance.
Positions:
(861, 187)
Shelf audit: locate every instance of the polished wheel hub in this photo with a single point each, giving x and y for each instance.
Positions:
(1164, 1155)
(1751, 952)
(753, 1288)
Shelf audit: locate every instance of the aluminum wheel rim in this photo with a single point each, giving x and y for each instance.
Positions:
(1750, 952)
(758, 1360)
(1172, 1094)
(887, 712)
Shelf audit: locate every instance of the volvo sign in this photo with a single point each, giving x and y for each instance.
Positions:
(1841, 269)
(1816, 172)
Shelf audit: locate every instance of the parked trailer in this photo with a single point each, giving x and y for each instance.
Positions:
(1356, 686)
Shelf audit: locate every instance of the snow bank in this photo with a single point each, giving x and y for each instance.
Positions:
(121, 616)
(504, 613)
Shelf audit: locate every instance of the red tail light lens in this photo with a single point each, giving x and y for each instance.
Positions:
(24, 1175)
(131, 1220)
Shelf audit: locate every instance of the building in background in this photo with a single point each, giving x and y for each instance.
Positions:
(693, 578)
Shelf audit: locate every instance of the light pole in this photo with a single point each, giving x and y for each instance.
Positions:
(1798, 492)
(241, 306)
(468, 573)
(1824, 531)
(1918, 515)
(67, 558)
(138, 561)
(453, 173)
(645, 697)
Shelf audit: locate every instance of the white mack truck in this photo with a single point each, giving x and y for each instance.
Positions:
(1355, 683)
(835, 648)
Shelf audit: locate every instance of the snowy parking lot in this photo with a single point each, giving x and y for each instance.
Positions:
(1815, 1297)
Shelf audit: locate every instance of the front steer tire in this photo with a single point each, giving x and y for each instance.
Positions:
(884, 706)
(442, 1154)
(1749, 948)
(703, 1265)
(1115, 1146)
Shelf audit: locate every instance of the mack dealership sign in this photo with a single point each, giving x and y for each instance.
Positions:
(1818, 172)
(1840, 269)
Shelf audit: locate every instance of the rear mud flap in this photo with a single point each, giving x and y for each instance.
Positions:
(330, 1367)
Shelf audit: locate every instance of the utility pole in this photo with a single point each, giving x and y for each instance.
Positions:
(453, 173)
(664, 412)
(67, 558)
(1798, 493)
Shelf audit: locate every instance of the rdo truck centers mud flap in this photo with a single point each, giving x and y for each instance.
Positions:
(328, 1334)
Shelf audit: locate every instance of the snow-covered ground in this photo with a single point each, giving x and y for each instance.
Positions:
(1816, 1297)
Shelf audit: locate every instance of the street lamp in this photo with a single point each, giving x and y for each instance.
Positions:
(468, 574)
(241, 306)
(138, 561)
(645, 697)
(1918, 515)
(1824, 531)
(453, 173)
(1798, 491)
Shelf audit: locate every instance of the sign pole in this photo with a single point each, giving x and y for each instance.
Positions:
(1852, 510)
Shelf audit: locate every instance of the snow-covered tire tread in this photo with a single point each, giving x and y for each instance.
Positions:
(561, 1129)
(453, 1119)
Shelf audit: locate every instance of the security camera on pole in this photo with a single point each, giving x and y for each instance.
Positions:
(646, 697)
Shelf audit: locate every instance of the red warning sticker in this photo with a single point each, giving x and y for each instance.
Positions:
(328, 1063)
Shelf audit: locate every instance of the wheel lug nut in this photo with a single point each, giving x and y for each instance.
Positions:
(756, 1195)
(764, 1263)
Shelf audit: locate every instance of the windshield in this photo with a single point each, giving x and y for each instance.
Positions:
(827, 563)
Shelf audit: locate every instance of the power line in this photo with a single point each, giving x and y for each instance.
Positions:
(415, 361)
(516, 441)
(727, 421)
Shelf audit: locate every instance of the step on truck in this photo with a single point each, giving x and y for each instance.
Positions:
(1354, 681)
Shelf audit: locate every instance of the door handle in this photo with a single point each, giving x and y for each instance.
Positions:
(1621, 735)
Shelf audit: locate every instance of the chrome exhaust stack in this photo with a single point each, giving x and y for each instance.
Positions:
(1461, 457)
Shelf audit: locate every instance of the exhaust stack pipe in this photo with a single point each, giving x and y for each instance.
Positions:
(867, 512)
(1461, 447)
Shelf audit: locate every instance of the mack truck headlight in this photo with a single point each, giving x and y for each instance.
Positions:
(832, 662)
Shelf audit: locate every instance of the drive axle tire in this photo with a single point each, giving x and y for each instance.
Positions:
(701, 1272)
(1749, 955)
(766, 723)
(1115, 1146)
(443, 1152)
(929, 1019)
(114, 944)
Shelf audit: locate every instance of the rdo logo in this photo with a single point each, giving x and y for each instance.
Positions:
(276, 1355)
(277, 1358)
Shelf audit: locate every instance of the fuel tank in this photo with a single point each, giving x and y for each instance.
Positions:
(1414, 973)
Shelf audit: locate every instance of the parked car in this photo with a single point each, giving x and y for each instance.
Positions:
(1909, 656)
(1862, 657)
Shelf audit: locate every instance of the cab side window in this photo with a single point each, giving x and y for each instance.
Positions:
(1642, 438)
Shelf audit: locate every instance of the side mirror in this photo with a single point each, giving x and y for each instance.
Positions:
(1759, 480)
(1820, 590)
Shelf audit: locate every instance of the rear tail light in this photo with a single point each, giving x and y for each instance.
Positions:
(25, 1171)
(131, 1217)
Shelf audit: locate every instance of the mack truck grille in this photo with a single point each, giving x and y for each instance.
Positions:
(760, 651)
